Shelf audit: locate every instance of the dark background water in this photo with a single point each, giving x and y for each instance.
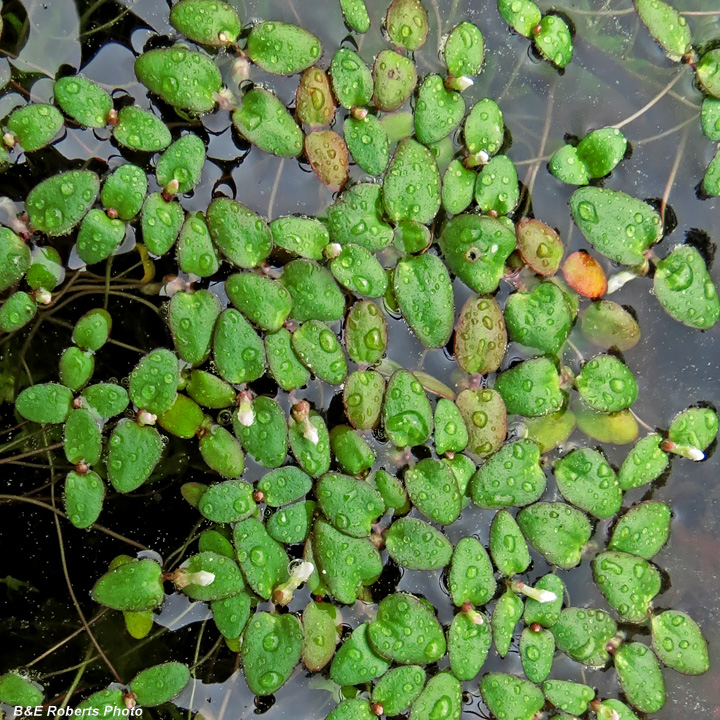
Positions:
(617, 69)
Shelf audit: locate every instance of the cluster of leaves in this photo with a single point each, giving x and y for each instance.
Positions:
(294, 280)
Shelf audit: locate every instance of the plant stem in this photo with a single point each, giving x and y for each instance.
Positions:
(78, 675)
(655, 100)
(31, 452)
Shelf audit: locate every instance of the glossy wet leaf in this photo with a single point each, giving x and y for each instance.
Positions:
(223, 573)
(566, 165)
(99, 237)
(320, 634)
(15, 258)
(406, 23)
(263, 561)
(442, 696)
(313, 290)
(398, 688)
(471, 577)
(407, 415)
(570, 697)
(480, 336)
(192, 319)
(510, 478)
(238, 351)
(557, 531)
(666, 25)
(438, 111)
(508, 548)
(209, 390)
(183, 162)
(711, 179)
(606, 384)
(352, 81)
(537, 649)
(617, 225)
(357, 217)
(214, 25)
(351, 450)
(17, 311)
(291, 524)
(184, 79)
(640, 677)
(356, 15)
(161, 223)
(82, 439)
(124, 191)
(643, 530)
(400, 611)
(331, 548)
(553, 40)
(353, 709)
(264, 435)
(450, 434)
(584, 274)
(475, 249)
(619, 428)
(261, 299)
(284, 485)
(298, 235)
(20, 691)
(228, 502)
(350, 505)
(417, 545)
(628, 583)
(134, 586)
(484, 128)
(312, 453)
(46, 403)
(685, 289)
(368, 143)
(644, 463)
(138, 129)
(231, 614)
(464, 50)
(710, 119)
(391, 490)
(319, 350)
(601, 150)
(35, 125)
(521, 15)
(583, 633)
(508, 696)
(506, 615)
(708, 72)
(282, 49)
(133, 453)
(154, 380)
(531, 388)
(46, 271)
(545, 614)
(83, 100)
(394, 78)
(356, 663)
(485, 418)
(327, 154)
(76, 365)
(496, 188)
(112, 697)
(696, 427)
(540, 319)
(365, 333)
(469, 639)
(271, 648)
(84, 496)
(106, 399)
(458, 187)
(551, 431)
(609, 325)
(679, 643)
(314, 101)
(539, 246)
(433, 490)
(358, 270)
(196, 253)
(263, 121)
(58, 204)
(217, 541)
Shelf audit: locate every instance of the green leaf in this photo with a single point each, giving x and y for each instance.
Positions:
(545, 614)
(679, 643)
(214, 26)
(284, 485)
(411, 187)
(365, 332)
(368, 143)
(392, 491)
(394, 78)
(356, 663)
(537, 649)
(710, 119)
(397, 613)
(685, 289)
(406, 23)
(35, 125)
(351, 505)
(352, 81)
(557, 531)
(553, 40)
(183, 162)
(464, 50)
(351, 450)
(407, 415)
(566, 165)
(263, 561)
(99, 237)
(271, 648)
(291, 524)
(531, 388)
(312, 453)
(222, 573)
(240, 234)
(508, 696)
(231, 614)
(284, 365)
(58, 204)
(570, 697)
(696, 427)
(263, 121)
(154, 380)
(485, 419)
(609, 325)
(19, 691)
(521, 15)
(314, 102)
(320, 351)
(433, 491)
(496, 188)
(606, 384)
(615, 224)
(643, 530)
(138, 129)
(134, 586)
(618, 428)
(450, 435)
(583, 633)
(133, 453)
(666, 25)
(398, 688)
(480, 336)
(282, 49)
(417, 545)
(357, 217)
(331, 549)
(438, 111)
(238, 351)
(124, 191)
(355, 709)
(640, 677)
(586, 480)
(49, 403)
(15, 258)
(471, 577)
(192, 319)
(506, 615)
(441, 697)
(314, 292)
(84, 497)
(112, 698)
(601, 150)
(161, 223)
(458, 187)
(320, 634)
(484, 128)
(184, 79)
(469, 639)
(358, 270)
(644, 463)
(16, 312)
(551, 431)
(356, 15)
(83, 100)
(196, 253)
(106, 399)
(228, 502)
(475, 249)
(82, 440)
(508, 548)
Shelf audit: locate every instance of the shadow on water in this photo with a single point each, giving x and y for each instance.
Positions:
(617, 69)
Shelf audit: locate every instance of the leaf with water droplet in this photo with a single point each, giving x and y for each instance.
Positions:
(351, 505)
(106, 399)
(282, 49)
(644, 463)
(355, 709)
(183, 162)
(480, 336)
(76, 365)
(368, 143)
(99, 237)
(238, 351)
(15, 258)
(356, 663)
(417, 545)
(263, 561)
(138, 129)
(228, 502)
(84, 496)
(312, 454)
(226, 577)
(213, 25)
(209, 390)
(540, 247)
(35, 125)
(352, 452)
(352, 81)
(265, 439)
(496, 187)
(583, 634)
(327, 154)
(696, 427)
(161, 222)
(584, 274)
(643, 530)
(679, 643)
(531, 388)
(154, 381)
(99, 701)
(553, 40)
(134, 451)
(82, 439)
(433, 490)
(508, 548)
(192, 317)
(407, 415)
(566, 165)
(83, 100)
(617, 225)
(366, 340)
(666, 25)
(124, 191)
(284, 365)
(484, 128)
(196, 253)
(346, 564)
(608, 325)
(46, 403)
(471, 577)
(441, 699)
(394, 78)
(184, 79)
(485, 419)
(475, 249)
(358, 270)
(557, 531)
(545, 614)
(357, 217)
(464, 50)
(685, 289)
(521, 15)
(537, 649)
(292, 523)
(320, 634)
(314, 292)
(601, 150)
(458, 187)
(399, 688)
(231, 614)
(391, 490)
(710, 119)
(450, 435)
(438, 111)
(320, 351)
(628, 583)
(284, 485)
(271, 648)
(606, 384)
(570, 697)
(640, 677)
(133, 586)
(508, 696)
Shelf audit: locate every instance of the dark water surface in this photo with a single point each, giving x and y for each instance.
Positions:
(617, 69)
